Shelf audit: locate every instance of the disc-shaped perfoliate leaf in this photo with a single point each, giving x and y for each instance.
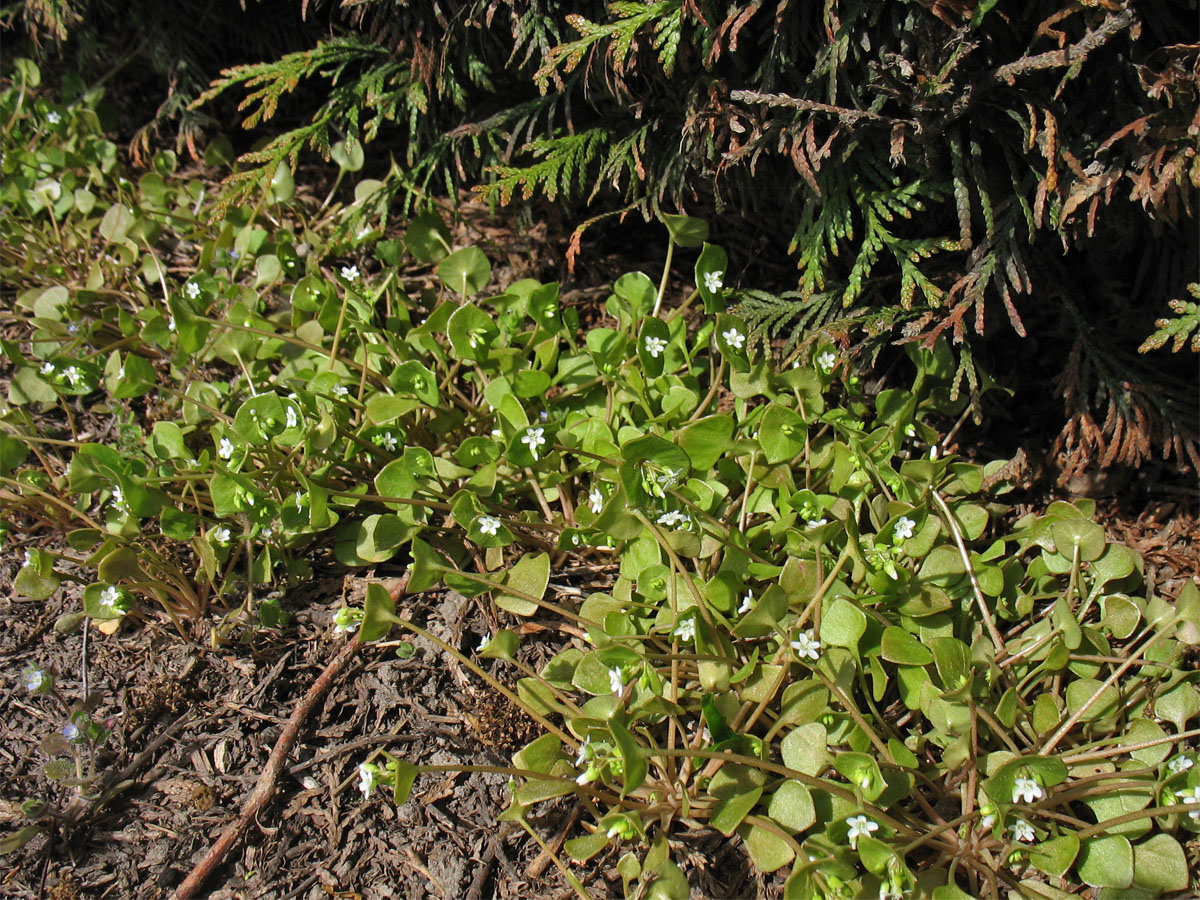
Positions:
(379, 613)
(706, 440)
(465, 271)
(686, 231)
(651, 465)
(348, 155)
(654, 339)
(283, 185)
(427, 238)
(781, 434)
(544, 308)
(379, 536)
(503, 645)
(843, 624)
(1160, 866)
(637, 292)
(260, 418)
(471, 332)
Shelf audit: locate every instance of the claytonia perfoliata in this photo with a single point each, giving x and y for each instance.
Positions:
(747, 603)
(483, 642)
(1179, 764)
(225, 448)
(806, 645)
(488, 525)
(290, 420)
(714, 281)
(616, 681)
(220, 535)
(904, 528)
(70, 731)
(860, 826)
(672, 518)
(987, 817)
(816, 523)
(534, 438)
(36, 681)
(30, 559)
(826, 361)
(347, 619)
(734, 338)
(350, 273)
(192, 290)
(1021, 830)
(685, 630)
(1026, 790)
(596, 499)
(47, 368)
(53, 117)
(73, 375)
(1192, 796)
(340, 390)
(584, 749)
(368, 777)
(655, 345)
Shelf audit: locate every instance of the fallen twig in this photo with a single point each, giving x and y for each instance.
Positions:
(265, 789)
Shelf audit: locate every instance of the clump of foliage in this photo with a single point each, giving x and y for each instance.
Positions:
(930, 161)
(821, 637)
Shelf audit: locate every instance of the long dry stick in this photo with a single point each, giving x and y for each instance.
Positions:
(265, 789)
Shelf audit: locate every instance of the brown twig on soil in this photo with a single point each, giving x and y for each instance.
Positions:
(265, 789)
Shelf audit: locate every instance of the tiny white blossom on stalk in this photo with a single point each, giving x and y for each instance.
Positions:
(685, 630)
(488, 525)
(70, 731)
(47, 368)
(1026, 790)
(35, 680)
(534, 438)
(29, 558)
(816, 523)
(714, 281)
(827, 361)
(387, 440)
(73, 375)
(53, 117)
(587, 777)
(747, 603)
(110, 596)
(225, 448)
(596, 499)
(904, 528)
(118, 496)
(860, 826)
(806, 645)
(655, 345)
(1179, 764)
(340, 390)
(192, 289)
(368, 777)
(290, 420)
(483, 642)
(734, 338)
(583, 751)
(616, 681)
(1022, 831)
(1192, 796)
(671, 518)
(350, 273)
(221, 535)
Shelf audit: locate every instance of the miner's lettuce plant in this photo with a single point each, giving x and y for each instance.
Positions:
(821, 636)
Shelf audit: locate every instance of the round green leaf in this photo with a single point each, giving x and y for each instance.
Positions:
(471, 332)
(792, 806)
(1106, 861)
(465, 271)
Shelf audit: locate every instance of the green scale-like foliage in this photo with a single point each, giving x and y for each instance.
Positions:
(943, 169)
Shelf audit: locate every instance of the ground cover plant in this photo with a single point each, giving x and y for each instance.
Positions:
(824, 637)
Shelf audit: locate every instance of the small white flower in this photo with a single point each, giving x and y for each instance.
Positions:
(110, 596)
(655, 345)
(192, 289)
(586, 777)
(816, 523)
(221, 535)
(121, 373)
(747, 603)
(73, 328)
(1192, 796)
(71, 731)
(826, 361)
(350, 273)
(1179, 764)
(583, 751)
(714, 281)
(49, 189)
(685, 630)
(53, 117)
(268, 533)
(488, 525)
(48, 368)
(805, 645)
(368, 777)
(616, 681)
(29, 560)
(987, 820)
(860, 826)
(596, 498)
(35, 680)
(672, 518)
(387, 440)
(225, 448)
(170, 323)
(340, 390)
(73, 375)
(346, 619)
(290, 420)
(362, 232)
(483, 642)
(299, 498)
(496, 432)
(1021, 830)
(533, 439)
(1026, 790)
(734, 338)
(118, 496)
(249, 499)
(904, 528)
